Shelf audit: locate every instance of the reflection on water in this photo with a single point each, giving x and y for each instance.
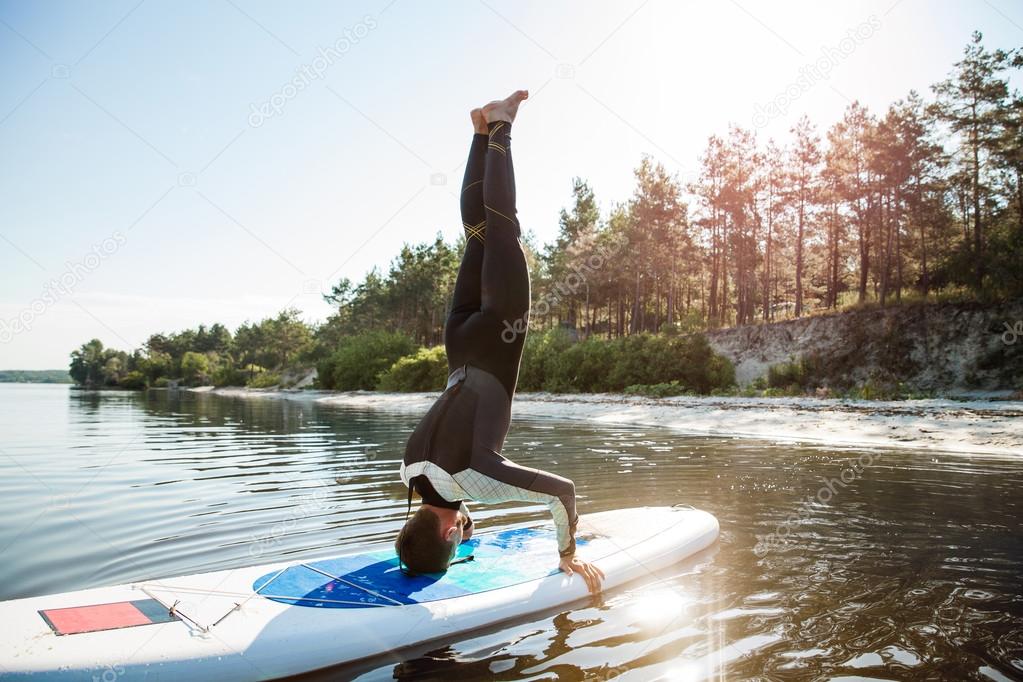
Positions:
(911, 570)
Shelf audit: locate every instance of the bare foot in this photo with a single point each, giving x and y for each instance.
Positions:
(479, 124)
(504, 109)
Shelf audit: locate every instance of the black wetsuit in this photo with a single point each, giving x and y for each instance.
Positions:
(454, 452)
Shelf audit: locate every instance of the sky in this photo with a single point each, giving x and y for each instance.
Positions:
(168, 164)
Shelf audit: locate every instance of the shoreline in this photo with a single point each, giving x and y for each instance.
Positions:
(990, 427)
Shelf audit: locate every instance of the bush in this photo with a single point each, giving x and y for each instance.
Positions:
(231, 376)
(537, 354)
(264, 380)
(161, 382)
(195, 368)
(580, 367)
(646, 359)
(674, 363)
(632, 355)
(661, 390)
(424, 370)
(795, 376)
(134, 380)
(360, 359)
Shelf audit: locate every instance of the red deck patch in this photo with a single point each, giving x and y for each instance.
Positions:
(125, 614)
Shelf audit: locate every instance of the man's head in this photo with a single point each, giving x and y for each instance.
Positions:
(426, 544)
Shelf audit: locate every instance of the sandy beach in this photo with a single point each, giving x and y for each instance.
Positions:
(971, 426)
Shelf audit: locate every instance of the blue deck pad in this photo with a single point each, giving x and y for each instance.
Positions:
(310, 588)
(505, 558)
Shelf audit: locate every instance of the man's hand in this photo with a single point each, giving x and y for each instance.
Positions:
(590, 573)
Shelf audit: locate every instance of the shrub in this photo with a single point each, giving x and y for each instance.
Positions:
(720, 372)
(231, 376)
(630, 365)
(424, 370)
(683, 364)
(537, 355)
(264, 380)
(580, 367)
(359, 360)
(661, 390)
(796, 375)
(195, 368)
(134, 380)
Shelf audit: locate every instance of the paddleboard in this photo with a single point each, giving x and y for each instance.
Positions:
(270, 621)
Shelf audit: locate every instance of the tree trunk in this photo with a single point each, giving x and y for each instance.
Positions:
(978, 255)
(799, 259)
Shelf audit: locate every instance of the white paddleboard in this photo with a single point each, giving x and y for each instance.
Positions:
(269, 621)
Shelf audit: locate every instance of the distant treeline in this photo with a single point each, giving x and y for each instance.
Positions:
(922, 202)
(201, 356)
(34, 376)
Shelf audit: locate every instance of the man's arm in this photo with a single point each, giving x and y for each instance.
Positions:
(494, 478)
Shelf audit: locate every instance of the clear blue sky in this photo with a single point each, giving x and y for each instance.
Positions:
(133, 122)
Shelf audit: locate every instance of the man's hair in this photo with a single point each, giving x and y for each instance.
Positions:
(420, 545)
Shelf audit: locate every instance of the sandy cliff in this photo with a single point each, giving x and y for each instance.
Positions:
(939, 347)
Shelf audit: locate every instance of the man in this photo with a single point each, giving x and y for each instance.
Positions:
(454, 453)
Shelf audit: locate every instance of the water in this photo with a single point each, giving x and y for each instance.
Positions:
(912, 570)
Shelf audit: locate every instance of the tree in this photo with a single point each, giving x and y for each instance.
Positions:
(285, 337)
(576, 234)
(803, 192)
(969, 101)
(659, 228)
(87, 364)
(195, 368)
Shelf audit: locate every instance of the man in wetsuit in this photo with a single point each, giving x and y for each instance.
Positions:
(454, 453)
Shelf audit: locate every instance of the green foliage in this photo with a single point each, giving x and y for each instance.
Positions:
(648, 359)
(94, 366)
(412, 296)
(264, 380)
(156, 364)
(35, 376)
(359, 360)
(537, 353)
(195, 368)
(647, 363)
(198, 356)
(134, 380)
(824, 377)
(231, 376)
(796, 374)
(661, 390)
(581, 367)
(273, 342)
(87, 364)
(424, 370)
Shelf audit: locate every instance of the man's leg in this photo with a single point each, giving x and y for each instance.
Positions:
(505, 274)
(466, 300)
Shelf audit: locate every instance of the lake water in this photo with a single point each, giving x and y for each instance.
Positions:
(912, 569)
